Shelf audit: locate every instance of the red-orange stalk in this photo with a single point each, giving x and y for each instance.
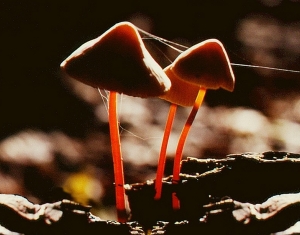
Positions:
(117, 157)
(181, 142)
(163, 152)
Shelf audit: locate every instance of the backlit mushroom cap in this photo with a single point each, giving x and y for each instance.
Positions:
(205, 64)
(181, 93)
(118, 61)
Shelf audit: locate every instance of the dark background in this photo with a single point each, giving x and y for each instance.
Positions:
(36, 36)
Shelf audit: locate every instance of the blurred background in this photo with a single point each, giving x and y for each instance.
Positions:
(54, 138)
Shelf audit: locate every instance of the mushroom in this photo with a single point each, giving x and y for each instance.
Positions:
(203, 66)
(183, 94)
(118, 61)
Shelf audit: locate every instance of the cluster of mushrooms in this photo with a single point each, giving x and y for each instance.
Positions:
(119, 62)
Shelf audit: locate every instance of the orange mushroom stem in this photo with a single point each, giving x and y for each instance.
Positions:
(117, 159)
(183, 94)
(163, 152)
(182, 141)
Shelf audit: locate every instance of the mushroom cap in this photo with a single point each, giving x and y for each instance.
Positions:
(118, 61)
(205, 64)
(181, 92)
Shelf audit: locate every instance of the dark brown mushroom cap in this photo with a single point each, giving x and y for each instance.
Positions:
(118, 61)
(205, 64)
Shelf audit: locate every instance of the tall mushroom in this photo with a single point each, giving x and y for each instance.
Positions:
(118, 61)
(181, 93)
(203, 66)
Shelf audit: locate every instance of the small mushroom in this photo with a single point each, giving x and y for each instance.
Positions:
(203, 66)
(188, 93)
(118, 61)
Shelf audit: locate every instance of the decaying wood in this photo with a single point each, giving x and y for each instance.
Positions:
(240, 194)
(278, 215)
(18, 215)
(246, 178)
